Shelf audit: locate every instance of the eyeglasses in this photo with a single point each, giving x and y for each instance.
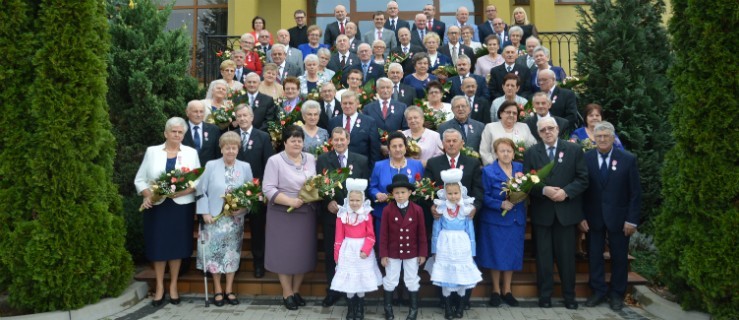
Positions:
(547, 129)
(497, 24)
(510, 113)
(543, 80)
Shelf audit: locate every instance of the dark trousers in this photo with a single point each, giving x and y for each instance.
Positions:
(257, 224)
(328, 223)
(619, 248)
(555, 242)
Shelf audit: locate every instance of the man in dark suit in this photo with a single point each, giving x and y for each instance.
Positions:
(564, 101)
(264, 38)
(365, 139)
(448, 49)
(401, 92)
(470, 129)
(500, 30)
(480, 107)
(370, 69)
(464, 64)
(495, 84)
(262, 106)
(284, 68)
(556, 208)
(256, 148)
(406, 48)
(393, 22)
(200, 135)
(330, 106)
(238, 56)
(432, 24)
(334, 29)
(542, 107)
(355, 39)
(342, 60)
(528, 58)
(612, 209)
(388, 113)
(420, 28)
(486, 28)
(339, 157)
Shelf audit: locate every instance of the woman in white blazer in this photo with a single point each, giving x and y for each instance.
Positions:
(168, 223)
(221, 252)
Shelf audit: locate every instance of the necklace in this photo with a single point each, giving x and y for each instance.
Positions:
(405, 163)
(453, 214)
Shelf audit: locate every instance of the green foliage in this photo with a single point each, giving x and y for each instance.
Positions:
(624, 52)
(148, 83)
(696, 232)
(63, 247)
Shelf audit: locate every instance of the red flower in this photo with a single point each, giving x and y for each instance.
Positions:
(174, 179)
(533, 171)
(418, 176)
(339, 171)
(256, 181)
(185, 169)
(182, 179)
(219, 53)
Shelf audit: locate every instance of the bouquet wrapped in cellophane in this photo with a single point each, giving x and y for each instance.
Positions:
(517, 188)
(323, 186)
(246, 196)
(169, 183)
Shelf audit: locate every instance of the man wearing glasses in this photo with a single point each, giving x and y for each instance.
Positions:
(542, 105)
(486, 28)
(299, 33)
(556, 209)
(564, 101)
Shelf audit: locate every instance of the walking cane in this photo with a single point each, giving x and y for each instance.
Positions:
(201, 235)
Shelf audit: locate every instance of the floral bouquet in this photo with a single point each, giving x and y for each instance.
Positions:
(414, 150)
(574, 83)
(315, 94)
(323, 186)
(383, 135)
(517, 188)
(323, 148)
(467, 151)
(223, 117)
(246, 196)
(443, 73)
(172, 182)
(586, 144)
(274, 128)
(431, 118)
(519, 151)
(336, 80)
(223, 55)
(425, 189)
(260, 53)
(395, 58)
(525, 111)
(367, 93)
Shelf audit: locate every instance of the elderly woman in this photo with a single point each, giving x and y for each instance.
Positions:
(419, 79)
(291, 237)
(269, 85)
(427, 139)
(257, 25)
(511, 85)
(251, 57)
(324, 56)
(593, 116)
(467, 33)
(217, 91)
(516, 36)
(291, 87)
(378, 52)
(541, 61)
(500, 247)
(168, 223)
(354, 79)
(435, 94)
(227, 72)
(507, 127)
(313, 45)
(492, 59)
(520, 19)
(312, 78)
(431, 42)
(384, 170)
(221, 253)
(314, 135)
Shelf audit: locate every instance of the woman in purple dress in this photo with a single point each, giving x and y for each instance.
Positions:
(290, 243)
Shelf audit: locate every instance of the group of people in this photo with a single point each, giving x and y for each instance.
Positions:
(375, 227)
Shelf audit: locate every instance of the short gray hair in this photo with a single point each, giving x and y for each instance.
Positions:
(516, 29)
(310, 105)
(451, 131)
(542, 49)
(349, 94)
(464, 57)
(395, 65)
(311, 58)
(385, 79)
(279, 46)
(413, 109)
(175, 122)
(605, 126)
(246, 107)
(549, 72)
(323, 52)
(195, 103)
(463, 98)
(544, 121)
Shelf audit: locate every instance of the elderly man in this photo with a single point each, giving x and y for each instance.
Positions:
(381, 33)
(370, 69)
(454, 48)
(342, 59)
(393, 22)
(299, 33)
(612, 209)
(487, 28)
(463, 17)
(264, 39)
(432, 24)
(387, 112)
(238, 56)
(528, 59)
(293, 55)
(479, 105)
(419, 30)
(351, 32)
(334, 29)
(263, 108)
(200, 135)
(470, 129)
(284, 69)
(330, 106)
(495, 84)
(542, 105)
(406, 48)
(256, 148)
(464, 66)
(499, 28)
(339, 157)
(555, 210)
(365, 139)
(401, 91)
(564, 101)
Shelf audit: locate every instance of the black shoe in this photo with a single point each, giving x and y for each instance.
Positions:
(174, 301)
(351, 309)
(572, 304)
(616, 303)
(219, 303)
(330, 299)
(448, 310)
(387, 305)
(510, 300)
(157, 303)
(545, 303)
(413, 302)
(231, 301)
(467, 296)
(459, 307)
(299, 300)
(258, 272)
(290, 303)
(494, 300)
(359, 309)
(594, 301)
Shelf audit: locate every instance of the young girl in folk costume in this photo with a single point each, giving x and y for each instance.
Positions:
(356, 267)
(453, 244)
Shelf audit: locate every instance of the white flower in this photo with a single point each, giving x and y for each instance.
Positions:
(535, 179)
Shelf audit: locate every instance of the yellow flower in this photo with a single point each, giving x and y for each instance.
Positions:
(535, 179)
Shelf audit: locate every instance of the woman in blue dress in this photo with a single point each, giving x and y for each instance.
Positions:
(501, 237)
(313, 45)
(593, 116)
(419, 79)
(382, 174)
(431, 42)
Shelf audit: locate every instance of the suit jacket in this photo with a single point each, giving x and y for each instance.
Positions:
(474, 134)
(475, 30)
(562, 123)
(330, 161)
(456, 89)
(265, 110)
(461, 49)
(398, 24)
(411, 228)
(495, 84)
(438, 27)
(374, 71)
(333, 31)
(484, 30)
(395, 116)
(293, 56)
(523, 60)
(416, 38)
(564, 104)
(406, 94)
(298, 35)
(388, 36)
(471, 175)
(480, 110)
(611, 202)
(569, 173)
(290, 70)
(335, 63)
(354, 43)
(407, 64)
(209, 147)
(244, 72)
(154, 164)
(212, 186)
(336, 111)
(258, 150)
(364, 137)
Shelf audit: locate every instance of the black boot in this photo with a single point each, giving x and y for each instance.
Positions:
(467, 295)
(359, 309)
(388, 305)
(448, 311)
(350, 309)
(413, 301)
(459, 308)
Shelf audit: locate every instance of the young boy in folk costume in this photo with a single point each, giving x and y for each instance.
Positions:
(356, 267)
(402, 243)
(453, 244)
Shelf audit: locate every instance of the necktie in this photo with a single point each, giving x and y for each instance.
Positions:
(508, 68)
(251, 100)
(463, 129)
(348, 125)
(364, 70)
(379, 34)
(454, 55)
(341, 161)
(470, 99)
(392, 24)
(423, 34)
(452, 164)
(395, 92)
(341, 27)
(384, 109)
(197, 137)
(604, 167)
(279, 75)
(343, 61)
(329, 110)
(431, 24)
(238, 74)
(551, 153)
(244, 140)
(405, 50)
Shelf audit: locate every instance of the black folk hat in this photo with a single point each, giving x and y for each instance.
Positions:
(400, 181)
